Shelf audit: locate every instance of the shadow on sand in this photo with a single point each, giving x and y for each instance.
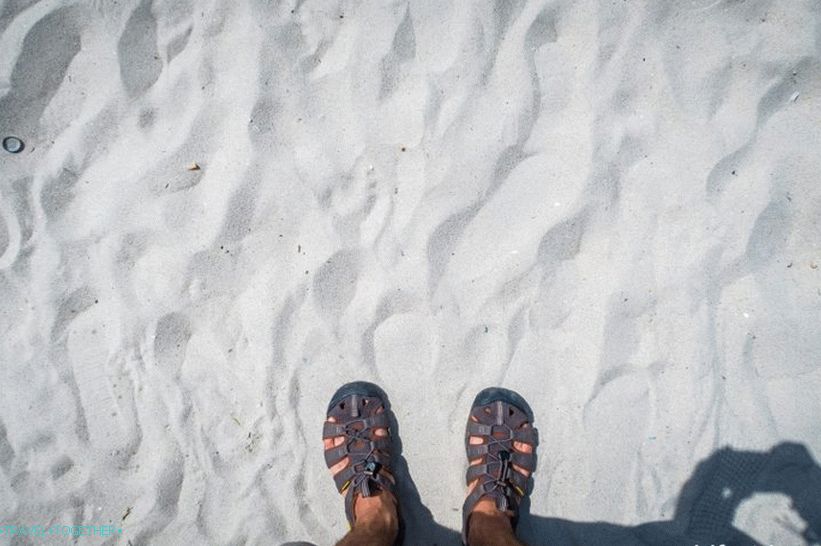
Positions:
(704, 514)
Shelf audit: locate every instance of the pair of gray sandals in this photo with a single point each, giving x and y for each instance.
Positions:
(498, 416)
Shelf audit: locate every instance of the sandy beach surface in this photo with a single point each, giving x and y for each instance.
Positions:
(223, 210)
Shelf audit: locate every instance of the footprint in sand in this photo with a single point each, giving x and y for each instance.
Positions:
(58, 192)
(48, 49)
(335, 282)
(61, 467)
(402, 50)
(140, 63)
(6, 451)
(4, 240)
(171, 340)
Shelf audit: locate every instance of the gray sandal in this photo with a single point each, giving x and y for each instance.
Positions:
(500, 418)
(354, 407)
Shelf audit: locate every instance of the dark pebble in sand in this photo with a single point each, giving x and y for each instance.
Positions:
(13, 145)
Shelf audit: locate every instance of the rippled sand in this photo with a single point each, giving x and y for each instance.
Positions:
(224, 210)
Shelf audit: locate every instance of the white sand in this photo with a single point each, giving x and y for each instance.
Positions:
(612, 207)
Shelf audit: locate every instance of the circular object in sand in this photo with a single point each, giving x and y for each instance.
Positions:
(13, 145)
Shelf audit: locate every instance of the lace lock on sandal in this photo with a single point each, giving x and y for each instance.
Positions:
(504, 475)
(372, 468)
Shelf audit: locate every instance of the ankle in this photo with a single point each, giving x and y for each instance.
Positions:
(377, 512)
(487, 506)
(486, 520)
(489, 520)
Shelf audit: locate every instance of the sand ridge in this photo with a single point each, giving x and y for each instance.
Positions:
(610, 207)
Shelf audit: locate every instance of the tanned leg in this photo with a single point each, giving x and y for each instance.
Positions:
(376, 522)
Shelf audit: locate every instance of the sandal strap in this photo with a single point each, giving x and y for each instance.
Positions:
(332, 430)
(475, 451)
(527, 435)
(499, 474)
(343, 477)
(491, 470)
(484, 490)
(503, 504)
(335, 454)
(382, 458)
(525, 460)
(369, 455)
(365, 488)
(478, 429)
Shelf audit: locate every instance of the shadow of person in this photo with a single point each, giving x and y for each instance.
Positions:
(704, 513)
(710, 498)
(707, 504)
(418, 525)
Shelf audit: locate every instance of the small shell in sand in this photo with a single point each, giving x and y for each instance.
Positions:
(193, 166)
